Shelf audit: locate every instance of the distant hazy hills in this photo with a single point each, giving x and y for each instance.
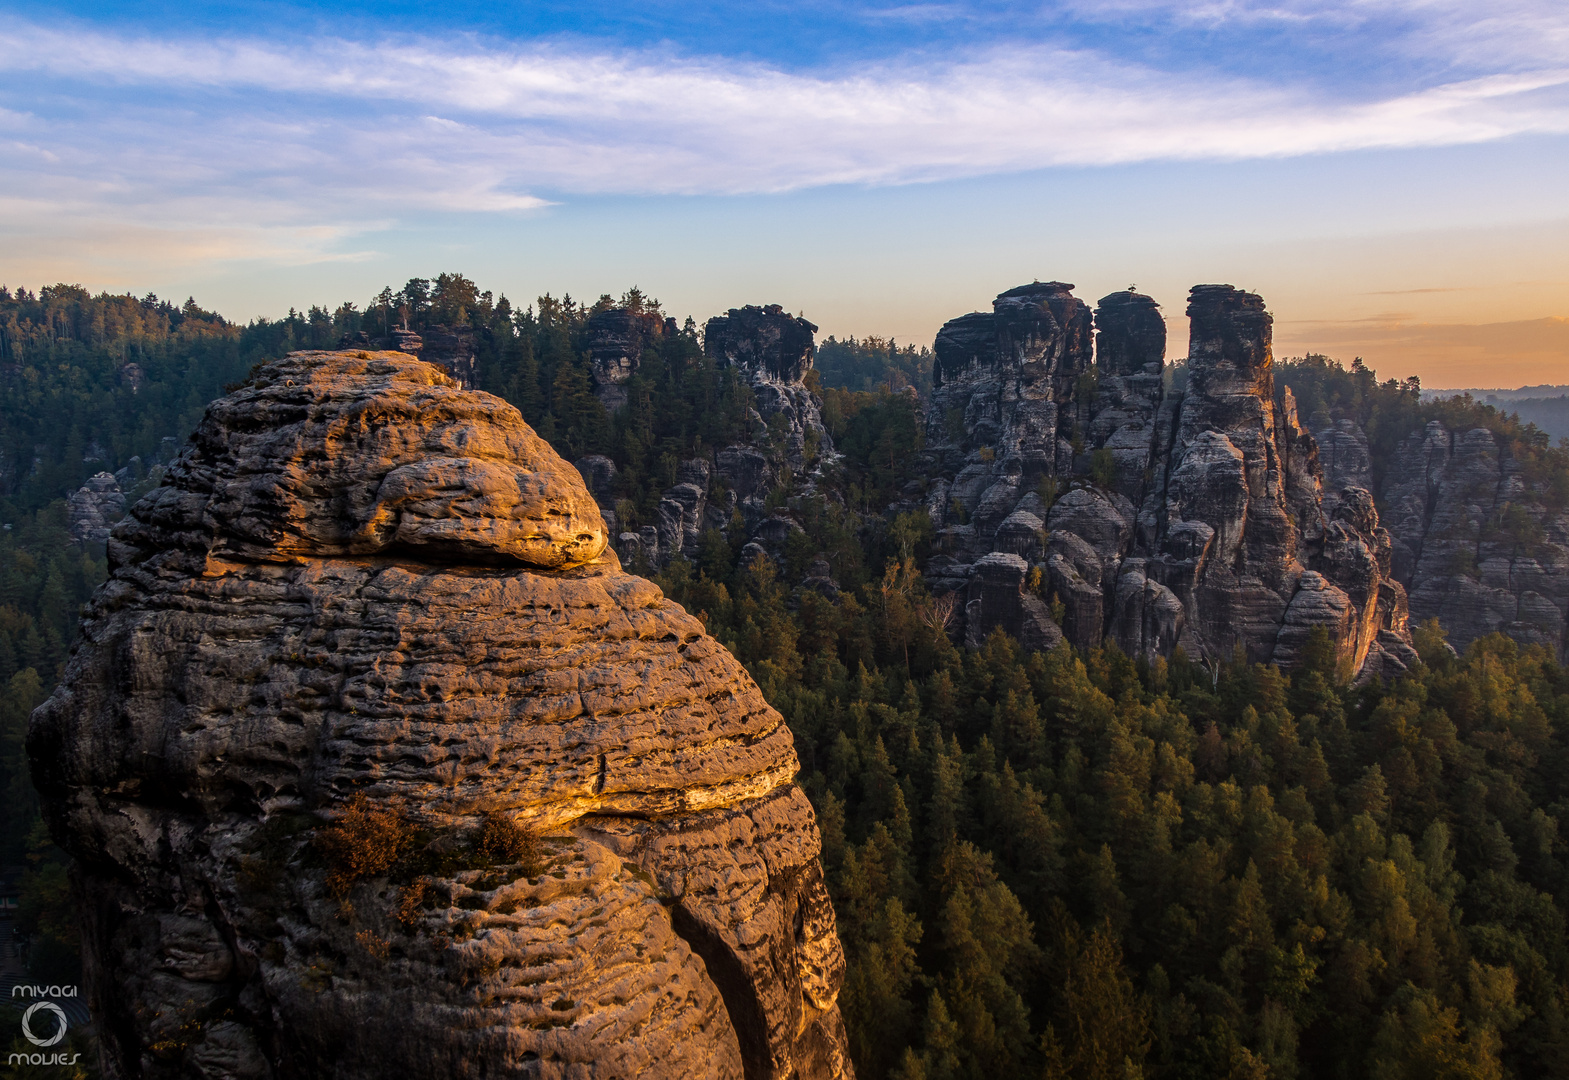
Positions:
(1546, 406)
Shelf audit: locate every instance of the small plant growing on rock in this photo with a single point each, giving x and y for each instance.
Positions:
(412, 899)
(502, 840)
(1103, 468)
(366, 841)
(1047, 490)
(374, 944)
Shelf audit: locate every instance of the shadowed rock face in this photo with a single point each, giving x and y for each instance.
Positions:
(775, 350)
(1228, 328)
(1480, 544)
(616, 339)
(362, 581)
(1129, 333)
(1196, 517)
(784, 442)
(763, 340)
(94, 508)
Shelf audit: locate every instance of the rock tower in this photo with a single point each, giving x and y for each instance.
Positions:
(1160, 514)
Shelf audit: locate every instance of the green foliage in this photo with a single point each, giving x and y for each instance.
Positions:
(679, 404)
(1103, 468)
(86, 382)
(879, 435)
(873, 364)
(1079, 866)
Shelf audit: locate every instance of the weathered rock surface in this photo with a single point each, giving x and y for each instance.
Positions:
(94, 507)
(360, 581)
(616, 339)
(1476, 542)
(774, 350)
(1195, 517)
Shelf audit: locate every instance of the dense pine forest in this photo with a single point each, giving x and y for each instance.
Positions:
(1055, 864)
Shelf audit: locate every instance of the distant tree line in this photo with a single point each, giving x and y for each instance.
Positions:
(1064, 864)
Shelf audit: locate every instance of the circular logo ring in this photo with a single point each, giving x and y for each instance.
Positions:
(47, 1006)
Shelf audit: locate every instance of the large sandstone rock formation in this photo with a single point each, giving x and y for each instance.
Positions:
(367, 597)
(617, 337)
(774, 350)
(1160, 516)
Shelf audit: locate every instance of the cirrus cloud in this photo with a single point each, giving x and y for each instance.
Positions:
(323, 136)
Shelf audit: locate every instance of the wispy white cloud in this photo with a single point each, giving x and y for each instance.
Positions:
(621, 122)
(1456, 35)
(247, 133)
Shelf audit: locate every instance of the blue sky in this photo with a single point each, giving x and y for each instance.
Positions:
(1380, 171)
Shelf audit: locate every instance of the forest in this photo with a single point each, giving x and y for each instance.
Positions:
(1061, 864)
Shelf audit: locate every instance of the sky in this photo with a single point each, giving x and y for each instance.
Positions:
(1392, 176)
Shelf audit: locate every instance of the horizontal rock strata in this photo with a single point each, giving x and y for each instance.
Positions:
(364, 591)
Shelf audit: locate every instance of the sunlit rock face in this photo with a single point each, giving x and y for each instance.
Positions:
(1158, 514)
(369, 623)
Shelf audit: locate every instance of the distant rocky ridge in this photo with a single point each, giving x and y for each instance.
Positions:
(1475, 537)
(1153, 510)
(368, 601)
(1067, 472)
(773, 351)
(93, 509)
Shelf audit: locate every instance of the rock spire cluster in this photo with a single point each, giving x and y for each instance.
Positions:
(375, 763)
(1078, 474)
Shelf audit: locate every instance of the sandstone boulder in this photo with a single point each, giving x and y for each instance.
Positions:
(375, 764)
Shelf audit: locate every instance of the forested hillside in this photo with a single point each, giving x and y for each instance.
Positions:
(1063, 864)
(1390, 411)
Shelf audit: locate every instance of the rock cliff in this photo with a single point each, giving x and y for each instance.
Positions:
(616, 339)
(375, 764)
(774, 351)
(1478, 541)
(1075, 475)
